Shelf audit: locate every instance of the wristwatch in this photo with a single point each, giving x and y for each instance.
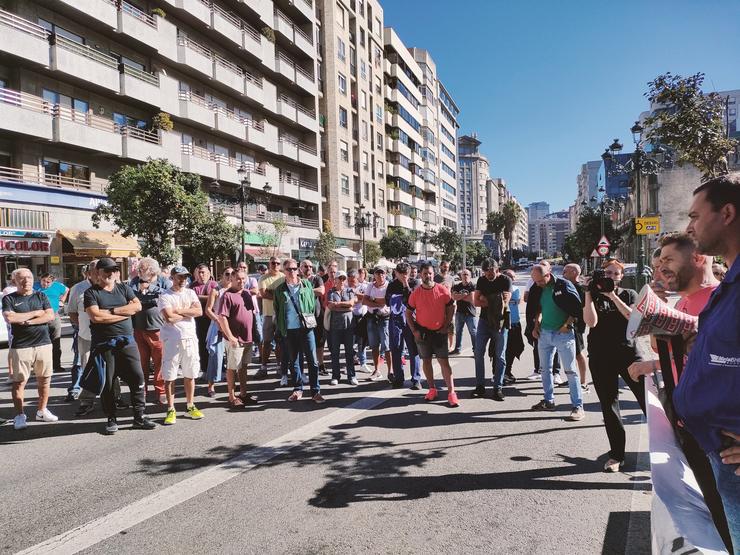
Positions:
(111, 311)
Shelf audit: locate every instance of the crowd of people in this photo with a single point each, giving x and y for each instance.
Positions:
(161, 326)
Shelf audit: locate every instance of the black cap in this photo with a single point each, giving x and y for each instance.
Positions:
(106, 263)
(489, 264)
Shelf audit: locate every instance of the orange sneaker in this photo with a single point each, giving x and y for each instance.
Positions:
(452, 399)
(431, 395)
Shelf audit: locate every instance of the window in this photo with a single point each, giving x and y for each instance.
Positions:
(379, 141)
(363, 70)
(378, 27)
(68, 170)
(343, 117)
(344, 151)
(447, 204)
(362, 37)
(340, 16)
(341, 52)
(364, 100)
(379, 113)
(365, 158)
(342, 82)
(367, 190)
(346, 217)
(381, 197)
(345, 185)
(61, 31)
(380, 168)
(123, 120)
(364, 130)
(449, 188)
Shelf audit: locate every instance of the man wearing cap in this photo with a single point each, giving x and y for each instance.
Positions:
(267, 284)
(339, 303)
(359, 325)
(400, 335)
(179, 307)
(110, 305)
(377, 323)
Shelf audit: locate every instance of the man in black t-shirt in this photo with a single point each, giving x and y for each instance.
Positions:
(399, 334)
(110, 305)
(29, 312)
(465, 314)
(492, 294)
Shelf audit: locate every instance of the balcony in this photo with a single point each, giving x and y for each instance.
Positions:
(259, 213)
(255, 133)
(141, 85)
(194, 55)
(284, 25)
(271, 137)
(286, 107)
(138, 24)
(139, 144)
(306, 8)
(199, 9)
(305, 79)
(268, 54)
(103, 11)
(196, 108)
(304, 42)
(198, 160)
(285, 66)
(25, 113)
(265, 9)
(253, 87)
(288, 148)
(24, 39)
(252, 40)
(37, 177)
(308, 155)
(228, 24)
(85, 130)
(229, 123)
(228, 73)
(84, 62)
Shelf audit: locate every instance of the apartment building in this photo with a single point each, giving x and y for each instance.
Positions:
(548, 233)
(82, 81)
(351, 119)
(473, 186)
(587, 181)
(521, 231)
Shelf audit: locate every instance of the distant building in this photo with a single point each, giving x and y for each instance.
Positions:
(547, 234)
(535, 211)
(473, 177)
(588, 185)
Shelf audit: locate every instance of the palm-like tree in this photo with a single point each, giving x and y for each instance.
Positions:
(495, 224)
(512, 213)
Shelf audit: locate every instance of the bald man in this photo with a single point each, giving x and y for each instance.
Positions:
(572, 272)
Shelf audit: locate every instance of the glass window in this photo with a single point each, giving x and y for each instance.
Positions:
(367, 191)
(61, 31)
(341, 52)
(342, 81)
(345, 185)
(340, 16)
(364, 100)
(344, 151)
(343, 117)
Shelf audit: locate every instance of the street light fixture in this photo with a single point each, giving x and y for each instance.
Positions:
(364, 220)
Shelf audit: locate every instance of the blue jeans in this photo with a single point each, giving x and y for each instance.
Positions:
(359, 341)
(377, 334)
(482, 335)
(728, 486)
(337, 339)
(462, 320)
(400, 335)
(565, 344)
(75, 351)
(302, 341)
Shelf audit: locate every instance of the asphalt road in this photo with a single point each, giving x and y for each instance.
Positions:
(374, 470)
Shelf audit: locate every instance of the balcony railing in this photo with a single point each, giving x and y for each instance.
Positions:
(197, 151)
(151, 137)
(182, 40)
(25, 101)
(228, 16)
(135, 12)
(307, 148)
(227, 64)
(151, 78)
(195, 98)
(299, 183)
(290, 102)
(86, 51)
(12, 20)
(85, 118)
(307, 74)
(20, 218)
(303, 34)
(254, 213)
(284, 18)
(16, 175)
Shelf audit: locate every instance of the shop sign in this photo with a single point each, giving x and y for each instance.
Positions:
(55, 260)
(24, 247)
(305, 244)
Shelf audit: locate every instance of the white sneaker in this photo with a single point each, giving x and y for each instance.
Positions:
(334, 382)
(284, 380)
(364, 369)
(353, 381)
(585, 388)
(375, 376)
(46, 416)
(19, 422)
(558, 379)
(534, 377)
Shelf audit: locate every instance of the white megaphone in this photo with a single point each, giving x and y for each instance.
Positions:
(651, 315)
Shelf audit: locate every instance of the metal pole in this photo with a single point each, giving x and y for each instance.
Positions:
(640, 242)
(362, 238)
(241, 254)
(464, 257)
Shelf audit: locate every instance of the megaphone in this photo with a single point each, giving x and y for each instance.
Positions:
(652, 316)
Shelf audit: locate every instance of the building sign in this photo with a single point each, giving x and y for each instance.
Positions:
(24, 247)
(647, 226)
(305, 244)
(46, 196)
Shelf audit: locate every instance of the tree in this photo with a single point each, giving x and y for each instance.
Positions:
(155, 202)
(495, 224)
(691, 122)
(475, 253)
(219, 242)
(272, 238)
(512, 213)
(450, 243)
(372, 253)
(396, 244)
(581, 243)
(325, 245)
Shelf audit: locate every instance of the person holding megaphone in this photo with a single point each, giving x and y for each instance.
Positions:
(606, 311)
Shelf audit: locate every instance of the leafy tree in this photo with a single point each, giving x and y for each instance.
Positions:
(272, 238)
(475, 253)
(325, 245)
(495, 223)
(579, 244)
(512, 213)
(691, 122)
(372, 253)
(396, 244)
(155, 202)
(218, 241)
(450, 243)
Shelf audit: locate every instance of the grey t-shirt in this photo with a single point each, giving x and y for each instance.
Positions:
(341, 320)
(149, 318)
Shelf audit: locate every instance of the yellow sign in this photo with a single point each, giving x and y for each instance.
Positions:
(647, 226)
(55, 260)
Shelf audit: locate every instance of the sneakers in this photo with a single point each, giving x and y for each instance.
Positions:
(111, 427)
(375, 376)
(20, 422)
(558, 379)
(431, 395)
(261, 374)
(415, 385)
(454, 352)
(479, 391)
(334, 381)
(143, 423)
(613, 465)
(283, 380)
(318, 399)
(322, 370)
(193, 412)
(509, 379)
(171, 417)
(72, 396)
(452, 399)
(585, 388)
(46, 416)
(295, 396)
(498, 394)
(544, 405)
(353, 381)
(364, 369)
(391, 377)
(84, 410)
(576, 414)
(534, 376)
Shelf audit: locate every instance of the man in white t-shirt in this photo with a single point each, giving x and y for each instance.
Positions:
(179, 307)
(358, 311)
(81, 322)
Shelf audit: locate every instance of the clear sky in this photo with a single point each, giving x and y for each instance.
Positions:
(547, 84)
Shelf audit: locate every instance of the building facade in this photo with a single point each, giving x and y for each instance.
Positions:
(587, 182)
(548, 233)
(473, 186)
(83, 83)
(535, 211)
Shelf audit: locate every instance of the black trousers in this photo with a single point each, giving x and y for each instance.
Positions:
(606, 368)
(123, 363)
(202, 324)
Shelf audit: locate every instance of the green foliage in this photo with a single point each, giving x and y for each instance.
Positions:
(272, 238)
(325, 245)
(450, 243)
(495, 223)
(218, 239)
(372, 253)
(691, 122)
(579, 244)
(160, 12)
(512, 213)
(397, 244)
(162, 121)
(268, 33)
(475, 252)
(155, 202)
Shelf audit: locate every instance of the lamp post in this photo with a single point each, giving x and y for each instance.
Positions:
(425, 239)
(363, 220)
(245, 182)
(640, 164)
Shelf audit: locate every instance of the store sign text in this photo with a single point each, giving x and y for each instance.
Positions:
(23, 246)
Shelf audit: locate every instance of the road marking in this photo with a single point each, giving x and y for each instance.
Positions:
(641, 500)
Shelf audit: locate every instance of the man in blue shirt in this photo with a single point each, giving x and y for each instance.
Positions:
(707, 398)
(57, 293)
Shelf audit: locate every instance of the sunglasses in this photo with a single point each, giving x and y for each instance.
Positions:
(229, 273)
(291, 269)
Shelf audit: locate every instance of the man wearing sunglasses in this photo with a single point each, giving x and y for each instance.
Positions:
(266, 286)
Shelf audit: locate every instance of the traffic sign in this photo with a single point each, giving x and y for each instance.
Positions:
(603, 250)
(648, 225)
(604, 242)
(594, 254)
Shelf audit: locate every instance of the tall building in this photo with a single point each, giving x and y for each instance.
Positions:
(352, 122)
(587, 180)
(548, 233)
(473, 186)
(82, 84)
(535, 211)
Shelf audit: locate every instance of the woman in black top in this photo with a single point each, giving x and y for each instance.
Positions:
(610, 354)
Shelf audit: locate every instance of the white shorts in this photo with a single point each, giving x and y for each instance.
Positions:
(183, 354)
(238, 358)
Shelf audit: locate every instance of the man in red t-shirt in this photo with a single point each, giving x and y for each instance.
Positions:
(428, 314)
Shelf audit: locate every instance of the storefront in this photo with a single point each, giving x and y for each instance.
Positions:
(72, 251)
(305, 248)
(22, 248)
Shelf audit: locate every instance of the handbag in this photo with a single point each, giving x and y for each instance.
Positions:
(308, 319)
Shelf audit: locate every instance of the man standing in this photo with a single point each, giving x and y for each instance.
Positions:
(179, 307)
(572, 272)
(397, 298)
(558, 305)
(81, 322)
(57, 293)
(29, 312)
(465, 314)
(359, 325)
(203, 284)
(492, 294)
(515, 341)
(295, 305)
(445, 277)
(110, 305)
(531, 314)
(377, 322)
(236, 315)
(267, 284)
(319, 291)
(320, 331)
(428, 315)
(340, 302)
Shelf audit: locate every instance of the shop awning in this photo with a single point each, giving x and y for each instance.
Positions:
(97, 243)
(262, 254)
(347, 253)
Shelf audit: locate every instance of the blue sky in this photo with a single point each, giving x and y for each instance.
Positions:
(548, 84)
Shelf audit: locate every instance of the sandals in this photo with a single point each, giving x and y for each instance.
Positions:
(295, 396)
(235, 403)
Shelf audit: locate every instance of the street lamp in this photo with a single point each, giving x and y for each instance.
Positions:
(641, 163)
(245, 182)
(425, 239)
(363, 220)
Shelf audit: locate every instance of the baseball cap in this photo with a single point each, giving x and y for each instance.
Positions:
(341, 274)
(106, 263)
(179, 271)
(489, 264)
(379, 269)
(402, 267)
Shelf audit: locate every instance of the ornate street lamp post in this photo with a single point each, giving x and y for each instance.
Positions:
(364, 220)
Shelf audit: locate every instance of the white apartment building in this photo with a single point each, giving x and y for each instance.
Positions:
(82, 80)
(352, 124)
(473, 186)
